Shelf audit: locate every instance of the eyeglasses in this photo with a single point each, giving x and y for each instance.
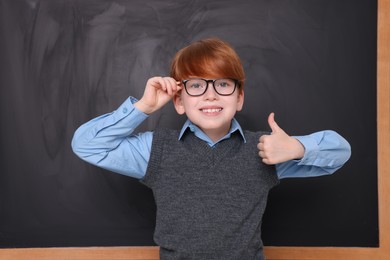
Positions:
(197, 87)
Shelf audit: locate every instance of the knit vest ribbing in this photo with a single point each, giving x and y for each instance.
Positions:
(210, 201)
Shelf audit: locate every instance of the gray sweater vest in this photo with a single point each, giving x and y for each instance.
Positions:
(210, 201)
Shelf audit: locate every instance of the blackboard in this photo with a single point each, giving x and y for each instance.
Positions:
(64, 62)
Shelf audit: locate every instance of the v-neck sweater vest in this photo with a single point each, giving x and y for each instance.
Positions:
(210, 201)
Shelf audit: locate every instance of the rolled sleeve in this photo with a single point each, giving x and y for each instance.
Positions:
(325, 152)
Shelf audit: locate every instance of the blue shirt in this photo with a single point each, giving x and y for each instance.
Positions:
(108, 142)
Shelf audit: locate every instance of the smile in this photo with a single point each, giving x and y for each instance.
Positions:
(211, 110)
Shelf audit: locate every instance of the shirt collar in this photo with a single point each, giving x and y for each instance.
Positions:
(235, 126)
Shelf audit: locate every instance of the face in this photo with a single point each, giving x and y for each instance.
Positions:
(211, 112)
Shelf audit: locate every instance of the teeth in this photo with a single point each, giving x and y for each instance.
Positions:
(211, 110)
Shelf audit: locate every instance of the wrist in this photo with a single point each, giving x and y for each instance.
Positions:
(143, 107)
(299, 150)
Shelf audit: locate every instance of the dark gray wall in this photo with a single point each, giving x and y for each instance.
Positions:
(64, 62)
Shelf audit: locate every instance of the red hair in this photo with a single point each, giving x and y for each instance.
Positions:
(210, 58)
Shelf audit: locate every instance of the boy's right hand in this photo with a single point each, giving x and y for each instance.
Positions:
(158, 92)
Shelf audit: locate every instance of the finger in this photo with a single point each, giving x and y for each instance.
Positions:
(159, 83)
(165, 85)
(155, 82)
(175, 84)
(266, 161)
(262, 139)
(168, 86)
(261, 154)
(172, 85)
(260, 146)
(271, 122)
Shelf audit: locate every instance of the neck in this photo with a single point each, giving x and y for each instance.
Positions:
(216, 134)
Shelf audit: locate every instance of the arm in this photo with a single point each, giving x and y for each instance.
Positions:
(325, 153)
(107, 141)
(317, 154)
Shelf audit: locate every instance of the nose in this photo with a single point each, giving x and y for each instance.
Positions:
(210, 93)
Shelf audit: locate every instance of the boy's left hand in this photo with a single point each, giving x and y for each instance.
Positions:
(279, 147)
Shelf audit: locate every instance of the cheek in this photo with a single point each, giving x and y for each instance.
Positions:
(189, 102)
(189, 108)
(185, 104)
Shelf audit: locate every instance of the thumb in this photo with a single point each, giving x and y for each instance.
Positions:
(271, 122)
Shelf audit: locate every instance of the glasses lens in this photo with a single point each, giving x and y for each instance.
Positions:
(196, 87)
(225, 86)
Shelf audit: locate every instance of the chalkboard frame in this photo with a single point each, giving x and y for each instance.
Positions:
(383, 141)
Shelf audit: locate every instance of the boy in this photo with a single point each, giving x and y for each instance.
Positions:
(211, 179)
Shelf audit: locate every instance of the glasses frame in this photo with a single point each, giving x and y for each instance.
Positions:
(236, 82)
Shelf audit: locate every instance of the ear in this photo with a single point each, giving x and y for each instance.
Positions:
(240, 100)
(178, 103)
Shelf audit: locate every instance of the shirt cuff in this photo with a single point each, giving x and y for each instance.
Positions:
(129, 103)
(311, 149)
(128, 112)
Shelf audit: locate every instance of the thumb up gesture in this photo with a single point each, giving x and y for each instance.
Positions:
(278, 147)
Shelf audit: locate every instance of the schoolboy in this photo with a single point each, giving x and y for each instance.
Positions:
(211, 179)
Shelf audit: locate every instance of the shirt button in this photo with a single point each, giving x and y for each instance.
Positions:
(124, 110)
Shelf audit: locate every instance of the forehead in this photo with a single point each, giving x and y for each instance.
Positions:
(209, 73)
